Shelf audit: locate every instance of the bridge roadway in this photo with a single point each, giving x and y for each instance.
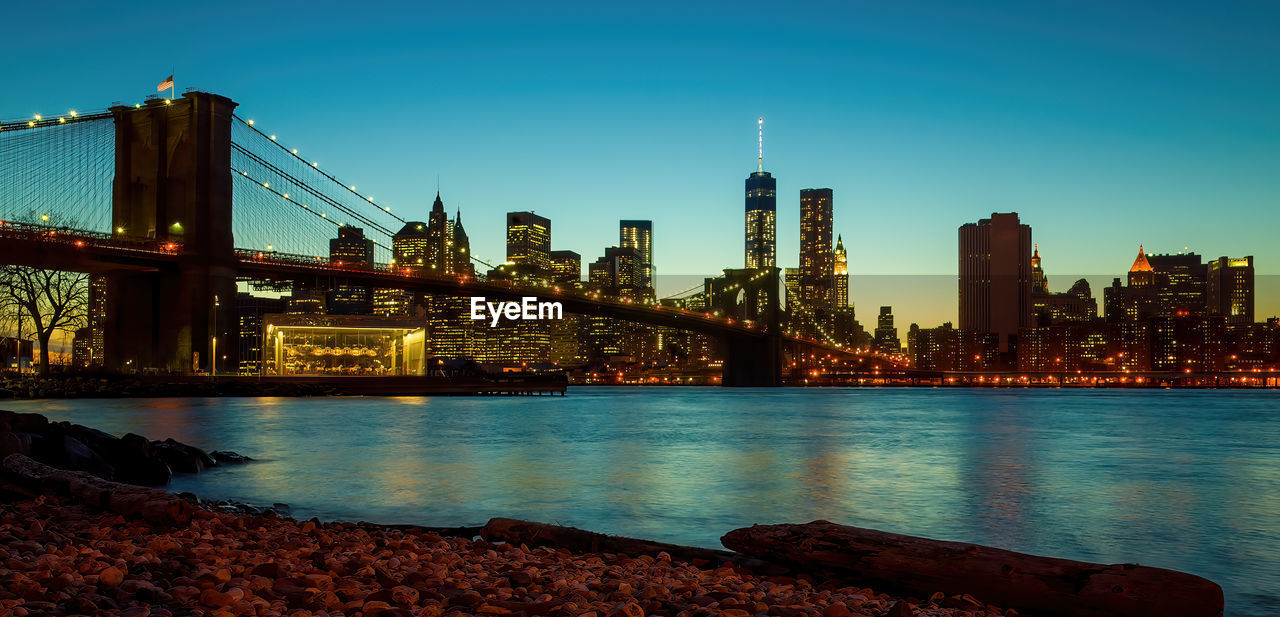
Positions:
(85, 251)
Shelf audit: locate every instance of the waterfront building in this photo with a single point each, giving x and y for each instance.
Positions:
(1061, 348)
(251, 312)
(1229, 291)
(353, 345)
(995, 277)
(638, 235)
(946, 348)
(761, 214)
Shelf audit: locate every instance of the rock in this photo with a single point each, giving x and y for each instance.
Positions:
(628, 609)
(111, 576)
(227, 456)
(11, 443)
(80, 457)
(270, 569)
(181, 457)
(215, 599)
(901, 609)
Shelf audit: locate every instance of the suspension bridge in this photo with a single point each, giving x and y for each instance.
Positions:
(176, 200)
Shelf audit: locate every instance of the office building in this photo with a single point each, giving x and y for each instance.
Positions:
(529, 241)
(817, 262)
(886, 336)
(995, 277)
(639, 235)
(1230, 289)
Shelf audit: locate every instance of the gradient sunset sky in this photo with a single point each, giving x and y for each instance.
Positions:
(1104, 126)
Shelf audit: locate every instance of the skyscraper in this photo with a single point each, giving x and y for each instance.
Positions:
(461, 249)
(761, 213)
(886, 339)
(817, 262)
(1230, 288)
(439, 258)
(409, 247)
(995, 277)
(841, 297)
(639, 235)
(529, 240)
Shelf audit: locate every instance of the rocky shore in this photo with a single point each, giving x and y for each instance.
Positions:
(132, 458)
(58, 557)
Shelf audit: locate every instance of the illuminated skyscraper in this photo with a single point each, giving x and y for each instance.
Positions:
(529, 240)
(995, 277)
(639, 235)
(1039, 283)
(97, 319)
(439, 258)
(761, 214)
(817, 262)
(1230, 288)
(462, 263)
(841, 297)
(409, 247)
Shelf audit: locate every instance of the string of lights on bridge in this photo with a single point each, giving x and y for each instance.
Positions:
(252, 125)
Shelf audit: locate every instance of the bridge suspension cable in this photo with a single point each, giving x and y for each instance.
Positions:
(58, 170)
(316, 166)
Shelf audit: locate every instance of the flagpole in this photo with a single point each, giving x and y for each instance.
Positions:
(173, 83)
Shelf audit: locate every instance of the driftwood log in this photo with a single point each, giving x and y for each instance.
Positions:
(515, 531)
(153, 505)
(1028, 583)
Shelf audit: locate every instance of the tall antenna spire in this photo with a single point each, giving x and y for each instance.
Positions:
(760, 124)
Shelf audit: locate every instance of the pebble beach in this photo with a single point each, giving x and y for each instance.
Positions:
(60, 557)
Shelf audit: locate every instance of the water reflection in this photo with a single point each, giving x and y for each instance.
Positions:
(1180, 479)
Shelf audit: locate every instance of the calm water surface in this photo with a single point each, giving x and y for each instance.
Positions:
(1180, 479)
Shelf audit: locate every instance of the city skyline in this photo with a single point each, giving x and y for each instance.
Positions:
(1103, 126)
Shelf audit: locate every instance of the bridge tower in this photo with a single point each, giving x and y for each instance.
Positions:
(173, 183)
(751, 294)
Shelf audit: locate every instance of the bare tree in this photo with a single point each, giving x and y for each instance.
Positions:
(42, 300)
(49, 300)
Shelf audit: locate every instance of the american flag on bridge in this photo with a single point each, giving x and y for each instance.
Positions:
(166, 84)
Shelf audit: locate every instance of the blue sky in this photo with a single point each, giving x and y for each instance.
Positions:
(1105, 126)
